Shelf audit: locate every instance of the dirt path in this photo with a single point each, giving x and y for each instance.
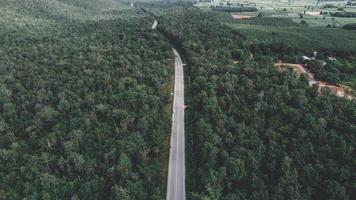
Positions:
(240, 16)
(338, 90)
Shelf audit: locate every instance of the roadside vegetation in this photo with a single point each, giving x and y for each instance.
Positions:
(254, 132)
(82, 110)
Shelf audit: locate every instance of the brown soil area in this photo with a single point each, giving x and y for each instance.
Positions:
(241, 16)
(338, 90)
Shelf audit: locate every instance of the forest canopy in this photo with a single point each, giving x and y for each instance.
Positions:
(82, 106)
(254, 132)
(85, 104)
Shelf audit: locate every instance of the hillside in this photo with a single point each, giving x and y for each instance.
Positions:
(38, 16)
(83, 92)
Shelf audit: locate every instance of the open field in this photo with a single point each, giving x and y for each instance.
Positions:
(309, 9)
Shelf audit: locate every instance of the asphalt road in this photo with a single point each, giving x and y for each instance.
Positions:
(176, 168)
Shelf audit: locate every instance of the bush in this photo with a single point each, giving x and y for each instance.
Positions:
(350, 26)
(344, 14)
(328, 73)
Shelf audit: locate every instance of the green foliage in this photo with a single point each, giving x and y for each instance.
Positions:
(254, 132)
(282, 44)
(326, 73)
(350, 26)
(81, 105)
(268, 21)
(81, 102)
(344, 14)
(337, 71)
(334, 41)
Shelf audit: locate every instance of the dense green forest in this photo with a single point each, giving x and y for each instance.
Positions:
(252, 131)
(85, 93)
(83, 88)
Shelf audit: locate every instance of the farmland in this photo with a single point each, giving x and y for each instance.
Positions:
(306, 38)
(314, 13)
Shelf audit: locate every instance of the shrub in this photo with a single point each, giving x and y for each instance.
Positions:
(344, 14)
(350, 26)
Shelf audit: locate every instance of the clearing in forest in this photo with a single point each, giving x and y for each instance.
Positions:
(338, 89)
